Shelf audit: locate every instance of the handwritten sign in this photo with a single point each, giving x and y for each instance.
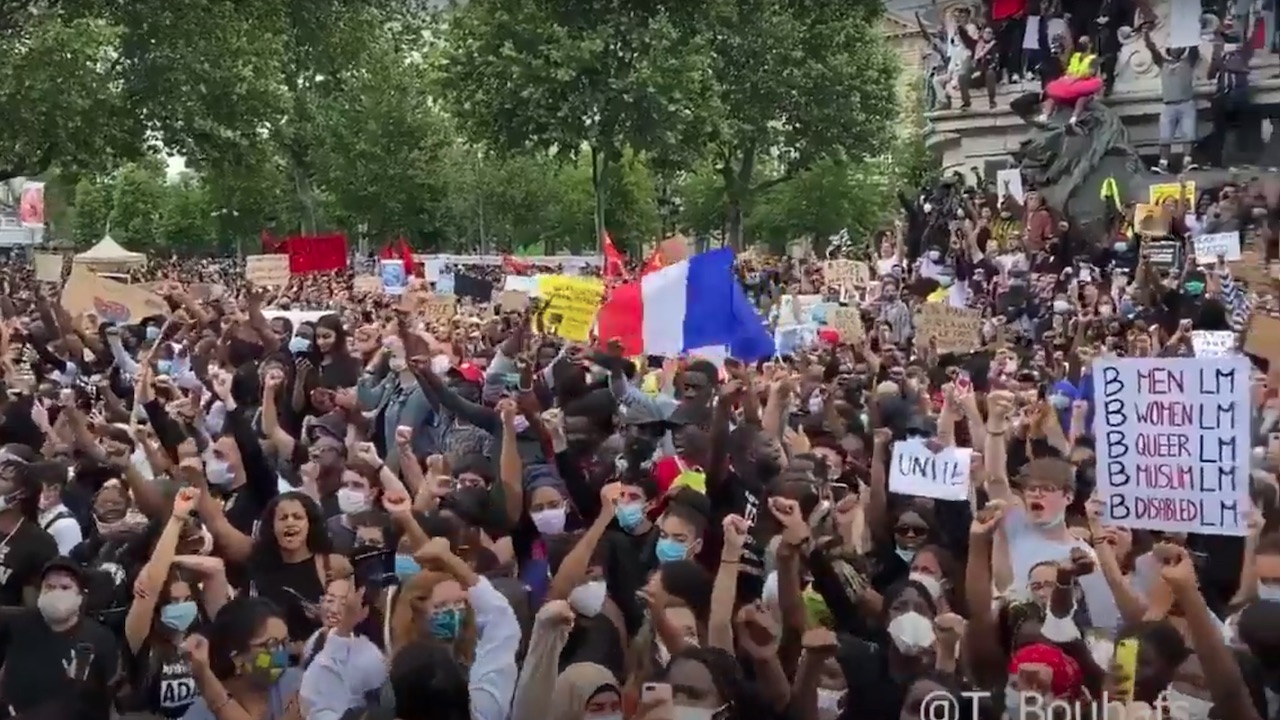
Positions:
(1160, 192)
(367, 284)
(1163, 255)
(440, 308)
(847, 275)
(846, 321)
(1213, 343)
(513, 301)
(267, 270)
(571, 305)
(48, 267)
(113, 302)
(916, 469)
(1150, 220)
(1214, 245)
(1173, 449)
(953, 329)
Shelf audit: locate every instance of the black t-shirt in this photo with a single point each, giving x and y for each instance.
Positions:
(295, 587)
(71, 671)
(22, 556)
(629, 560)
(163, 679)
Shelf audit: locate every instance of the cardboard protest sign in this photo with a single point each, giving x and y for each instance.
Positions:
(916, 469)
(48, 267)
(1150, 220)
(571, 305)
(953, 329)
(1172, 443)
(846, 274)
(440, 308)
(367, 284)
(847, 321)
(1251, 268)
(267, 270)
(1160, 192)
(1214, 245)
(1263, 338)
(513, 301)
(112, 301)
(1213, 343)
(394, 278)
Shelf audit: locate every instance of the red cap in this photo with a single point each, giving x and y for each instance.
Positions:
(470, 373)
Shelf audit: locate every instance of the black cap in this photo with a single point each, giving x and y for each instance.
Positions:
(66, 565)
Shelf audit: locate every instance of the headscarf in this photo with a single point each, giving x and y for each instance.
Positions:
(576, 686)
(1068, 679)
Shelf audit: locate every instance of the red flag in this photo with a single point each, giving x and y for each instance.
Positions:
(615, 263)
(406, 254)
(317, 253)
(515, 266)
(653, 263)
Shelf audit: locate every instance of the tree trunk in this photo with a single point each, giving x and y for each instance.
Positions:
(599, 160)
(733, 232)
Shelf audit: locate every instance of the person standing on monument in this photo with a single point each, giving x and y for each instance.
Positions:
(1178, 92)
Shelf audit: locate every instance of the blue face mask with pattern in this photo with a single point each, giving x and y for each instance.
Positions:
(299, 345)
(445, 624)
(669, 550)
(164, 367)
(406, 566)
(153, 333)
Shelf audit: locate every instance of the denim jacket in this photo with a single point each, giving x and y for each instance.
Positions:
(400, 402)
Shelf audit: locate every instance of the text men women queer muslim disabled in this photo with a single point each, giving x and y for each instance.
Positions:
(1173, 448)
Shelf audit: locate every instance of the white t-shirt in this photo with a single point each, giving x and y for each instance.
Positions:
(1028, 547)
(65, 530)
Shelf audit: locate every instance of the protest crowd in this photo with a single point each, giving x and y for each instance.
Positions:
(989, 467)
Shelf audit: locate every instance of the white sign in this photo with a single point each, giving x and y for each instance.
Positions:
(1213, 343)
(1210, 247)
(918, 470)
(1009, 182)
(1173, 443)
(394, 278)
(1184, 24)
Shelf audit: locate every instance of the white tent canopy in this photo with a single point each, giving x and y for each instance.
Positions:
(108, 254)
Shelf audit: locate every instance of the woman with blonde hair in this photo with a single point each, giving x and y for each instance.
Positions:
(449, 604)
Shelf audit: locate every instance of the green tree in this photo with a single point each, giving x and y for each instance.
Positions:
(187, 223)
(138, 196)
(577, 79)
(61, 97)
(796, 83)
(90, 211)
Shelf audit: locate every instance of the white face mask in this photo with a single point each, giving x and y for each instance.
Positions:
(929, 582)
(550, 521)
(912, 633)
(588, 599)
(397, 364)
(770, 594)
(440, 364)
(218, 472)
(59, 606)
(352, 501)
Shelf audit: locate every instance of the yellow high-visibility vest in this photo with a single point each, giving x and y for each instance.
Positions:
(1081, 65)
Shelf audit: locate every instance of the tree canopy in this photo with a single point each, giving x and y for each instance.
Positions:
(498, 125)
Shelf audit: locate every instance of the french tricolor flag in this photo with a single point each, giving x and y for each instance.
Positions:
(692, 304)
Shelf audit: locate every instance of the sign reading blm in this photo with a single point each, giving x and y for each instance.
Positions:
(1173, 443)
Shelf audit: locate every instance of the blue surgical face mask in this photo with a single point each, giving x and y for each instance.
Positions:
(164, 367)
(669, 550)
(1121, 247)
(178, 615)
(1060, 402)
(629, 515)
(406, 567)
(445, 624)
(299, 345)
(153, 333)
(907, 554)
(1268, 592)
(945, 282)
